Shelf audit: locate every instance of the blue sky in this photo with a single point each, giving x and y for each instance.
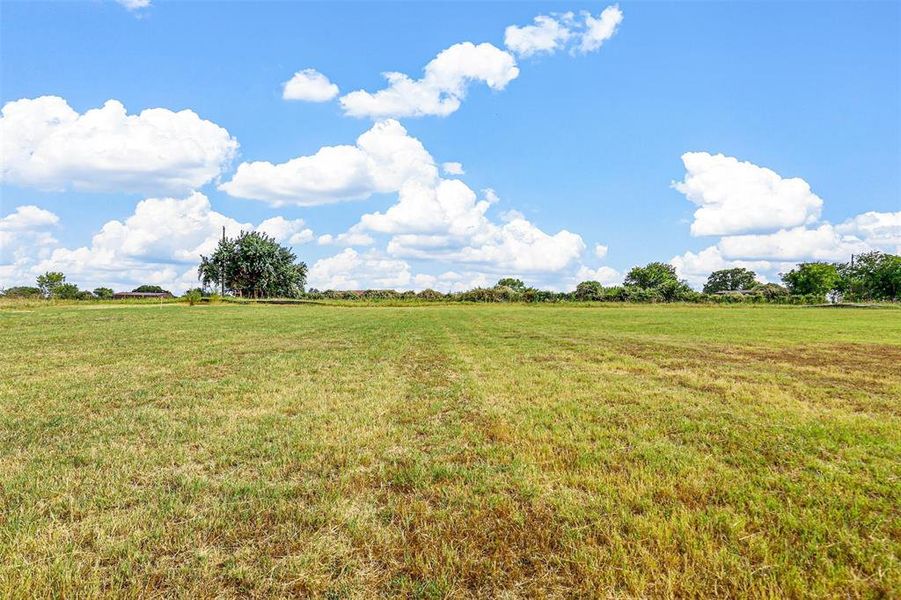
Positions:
(792, 111)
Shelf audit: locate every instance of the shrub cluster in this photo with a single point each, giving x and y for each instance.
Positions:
(52, 285)
(587, 291)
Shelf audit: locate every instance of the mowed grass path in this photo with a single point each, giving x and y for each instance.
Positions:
(450, 451)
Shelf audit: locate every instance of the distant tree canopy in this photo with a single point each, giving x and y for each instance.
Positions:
(659, 278)
(870, 276)
(69, 291)
(730, 279)
(589, 290)
(104, 293)
(511, 282)
(813, 278)
(151, 289)
(651, 276)
(49, 282)
(253, 265)
(22, 291)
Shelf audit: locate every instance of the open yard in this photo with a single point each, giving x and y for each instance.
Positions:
(450, 451)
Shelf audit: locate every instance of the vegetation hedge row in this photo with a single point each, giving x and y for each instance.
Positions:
(254, 266)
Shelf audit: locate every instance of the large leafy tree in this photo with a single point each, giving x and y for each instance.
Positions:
(871, 276)
(511, 282)
(253, 265)
(49, 282)
(659, 278)
(651, 276)
(730, 279)
(813, 278)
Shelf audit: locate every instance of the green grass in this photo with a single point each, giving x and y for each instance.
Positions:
(449, 451)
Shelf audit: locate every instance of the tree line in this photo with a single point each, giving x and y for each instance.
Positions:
(52, 285)
(253, 265)
(870, 277)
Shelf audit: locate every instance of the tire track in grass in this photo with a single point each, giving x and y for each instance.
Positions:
(463, 521)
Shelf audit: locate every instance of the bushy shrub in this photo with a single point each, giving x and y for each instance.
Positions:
(430, 294)
(730, 298)
(22, 291)
(871, 276)
(770, 291)
(479, 295)
(616, 293)
(193, 296)
(804, 299)
(380, 295)
(589, 291)
(673, 290)
(642, 294)
(505, 293)
(818, 278)
(690, 295)
(534, 295)
(66, 291)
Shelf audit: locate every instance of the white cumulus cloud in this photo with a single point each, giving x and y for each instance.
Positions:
(309, 85)
(547, 35)
(286, 231)
(382, 159)
(352, 270)
(600, 250)
(453, 168)
(604, 275)
(348, 238)
(599, 29)
(550, 33)
(879, 229)
(433, 218)
(796, 244)
(25, 239)
(741, 197)
(28, 217)
(442, 87)
(48, 145)
(134, 4)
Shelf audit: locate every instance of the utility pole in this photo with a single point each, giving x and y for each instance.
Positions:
(222, 268)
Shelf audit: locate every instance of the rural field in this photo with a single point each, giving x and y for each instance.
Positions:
(449, 451)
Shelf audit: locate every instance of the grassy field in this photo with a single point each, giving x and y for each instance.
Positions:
(449, 451)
